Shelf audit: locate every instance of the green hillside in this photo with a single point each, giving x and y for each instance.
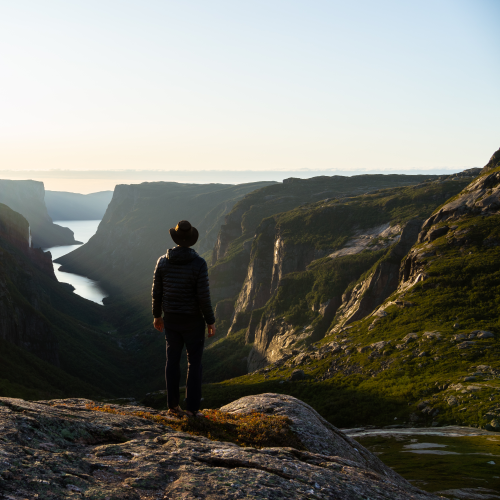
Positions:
(429, 355)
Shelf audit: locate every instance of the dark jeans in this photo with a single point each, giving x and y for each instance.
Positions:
(193, 335)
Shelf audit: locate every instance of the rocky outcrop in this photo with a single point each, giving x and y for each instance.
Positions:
(274, 339)
(480, 197)
(61, 449)
(382, 282)
(494, 162)
(229, 231)
(27, 198)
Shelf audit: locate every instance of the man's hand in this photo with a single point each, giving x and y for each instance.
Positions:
(211, 330)
(158, 324)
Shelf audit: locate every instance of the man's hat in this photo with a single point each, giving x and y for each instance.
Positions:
(184, 234)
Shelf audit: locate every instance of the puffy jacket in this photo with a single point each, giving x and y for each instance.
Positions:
(180, 285)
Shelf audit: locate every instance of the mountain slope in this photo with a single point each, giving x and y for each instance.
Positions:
(62, 205)
(53, 341)
(305, 262)
(429, 354)
(134, 231)
(27, 198)
(231, 254)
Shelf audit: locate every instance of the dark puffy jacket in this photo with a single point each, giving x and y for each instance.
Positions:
(180, 285)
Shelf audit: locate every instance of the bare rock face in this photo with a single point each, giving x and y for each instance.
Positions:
(229, 231)
(60, 449)
(317, 434)
(369, 294)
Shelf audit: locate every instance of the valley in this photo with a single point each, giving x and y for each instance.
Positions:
(371, 298)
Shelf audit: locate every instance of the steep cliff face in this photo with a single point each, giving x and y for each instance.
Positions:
(52, 342)
(229, 231)
(230, 258)
(21, 322)
(133, 233)
(306, 266)
(368, 294)
(27, 198)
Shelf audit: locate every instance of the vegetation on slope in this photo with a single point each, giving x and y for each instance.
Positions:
(353, 380)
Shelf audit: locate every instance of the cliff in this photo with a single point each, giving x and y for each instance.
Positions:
(52, 342)
(61, 448)
(428, 353)
(231, 252)
(133, 233)
(306, 263)
(27, 198)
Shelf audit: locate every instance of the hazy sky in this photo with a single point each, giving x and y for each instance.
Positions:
(261, 84)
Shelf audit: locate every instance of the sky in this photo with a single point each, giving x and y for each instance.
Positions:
(266, 85)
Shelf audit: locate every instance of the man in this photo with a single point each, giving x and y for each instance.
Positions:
(181, 289)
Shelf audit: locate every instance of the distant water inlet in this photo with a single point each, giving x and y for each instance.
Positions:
(85, 287)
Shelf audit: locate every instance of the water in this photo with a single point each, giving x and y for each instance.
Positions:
(85, 287)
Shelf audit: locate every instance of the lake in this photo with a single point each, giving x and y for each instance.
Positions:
(85, 287)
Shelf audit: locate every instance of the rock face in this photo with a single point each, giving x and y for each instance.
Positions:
(27, 198)
(133, 233)
(21, 321)
(370, 293)
(59, 449)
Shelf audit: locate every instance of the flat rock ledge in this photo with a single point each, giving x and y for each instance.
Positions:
(60, 449)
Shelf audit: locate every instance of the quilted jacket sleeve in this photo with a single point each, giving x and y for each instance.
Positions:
(157, 290)
(203, 295)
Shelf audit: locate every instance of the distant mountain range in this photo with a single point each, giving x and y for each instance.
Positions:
(62, 205)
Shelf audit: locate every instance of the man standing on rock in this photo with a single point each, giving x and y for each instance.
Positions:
(181, 289)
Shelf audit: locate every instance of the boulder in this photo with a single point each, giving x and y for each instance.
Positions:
(466, 344)
(134, 457)
(481, 334)
(378, 346)
(410, 337)
(431, 335)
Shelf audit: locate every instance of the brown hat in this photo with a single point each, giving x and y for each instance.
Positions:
(184, 234)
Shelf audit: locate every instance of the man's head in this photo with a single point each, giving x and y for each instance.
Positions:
(184, 234)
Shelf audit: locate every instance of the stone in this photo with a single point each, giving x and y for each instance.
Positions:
(485, 335)
(298, 375)
(483, 368)
(431, 335)
(129, 457)
(379, 346)
(456, 325)
(410, 337)
(471, 378)
(452, 401)
(300, 359)
(363, 348)
(460, 336)
(466, 344)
